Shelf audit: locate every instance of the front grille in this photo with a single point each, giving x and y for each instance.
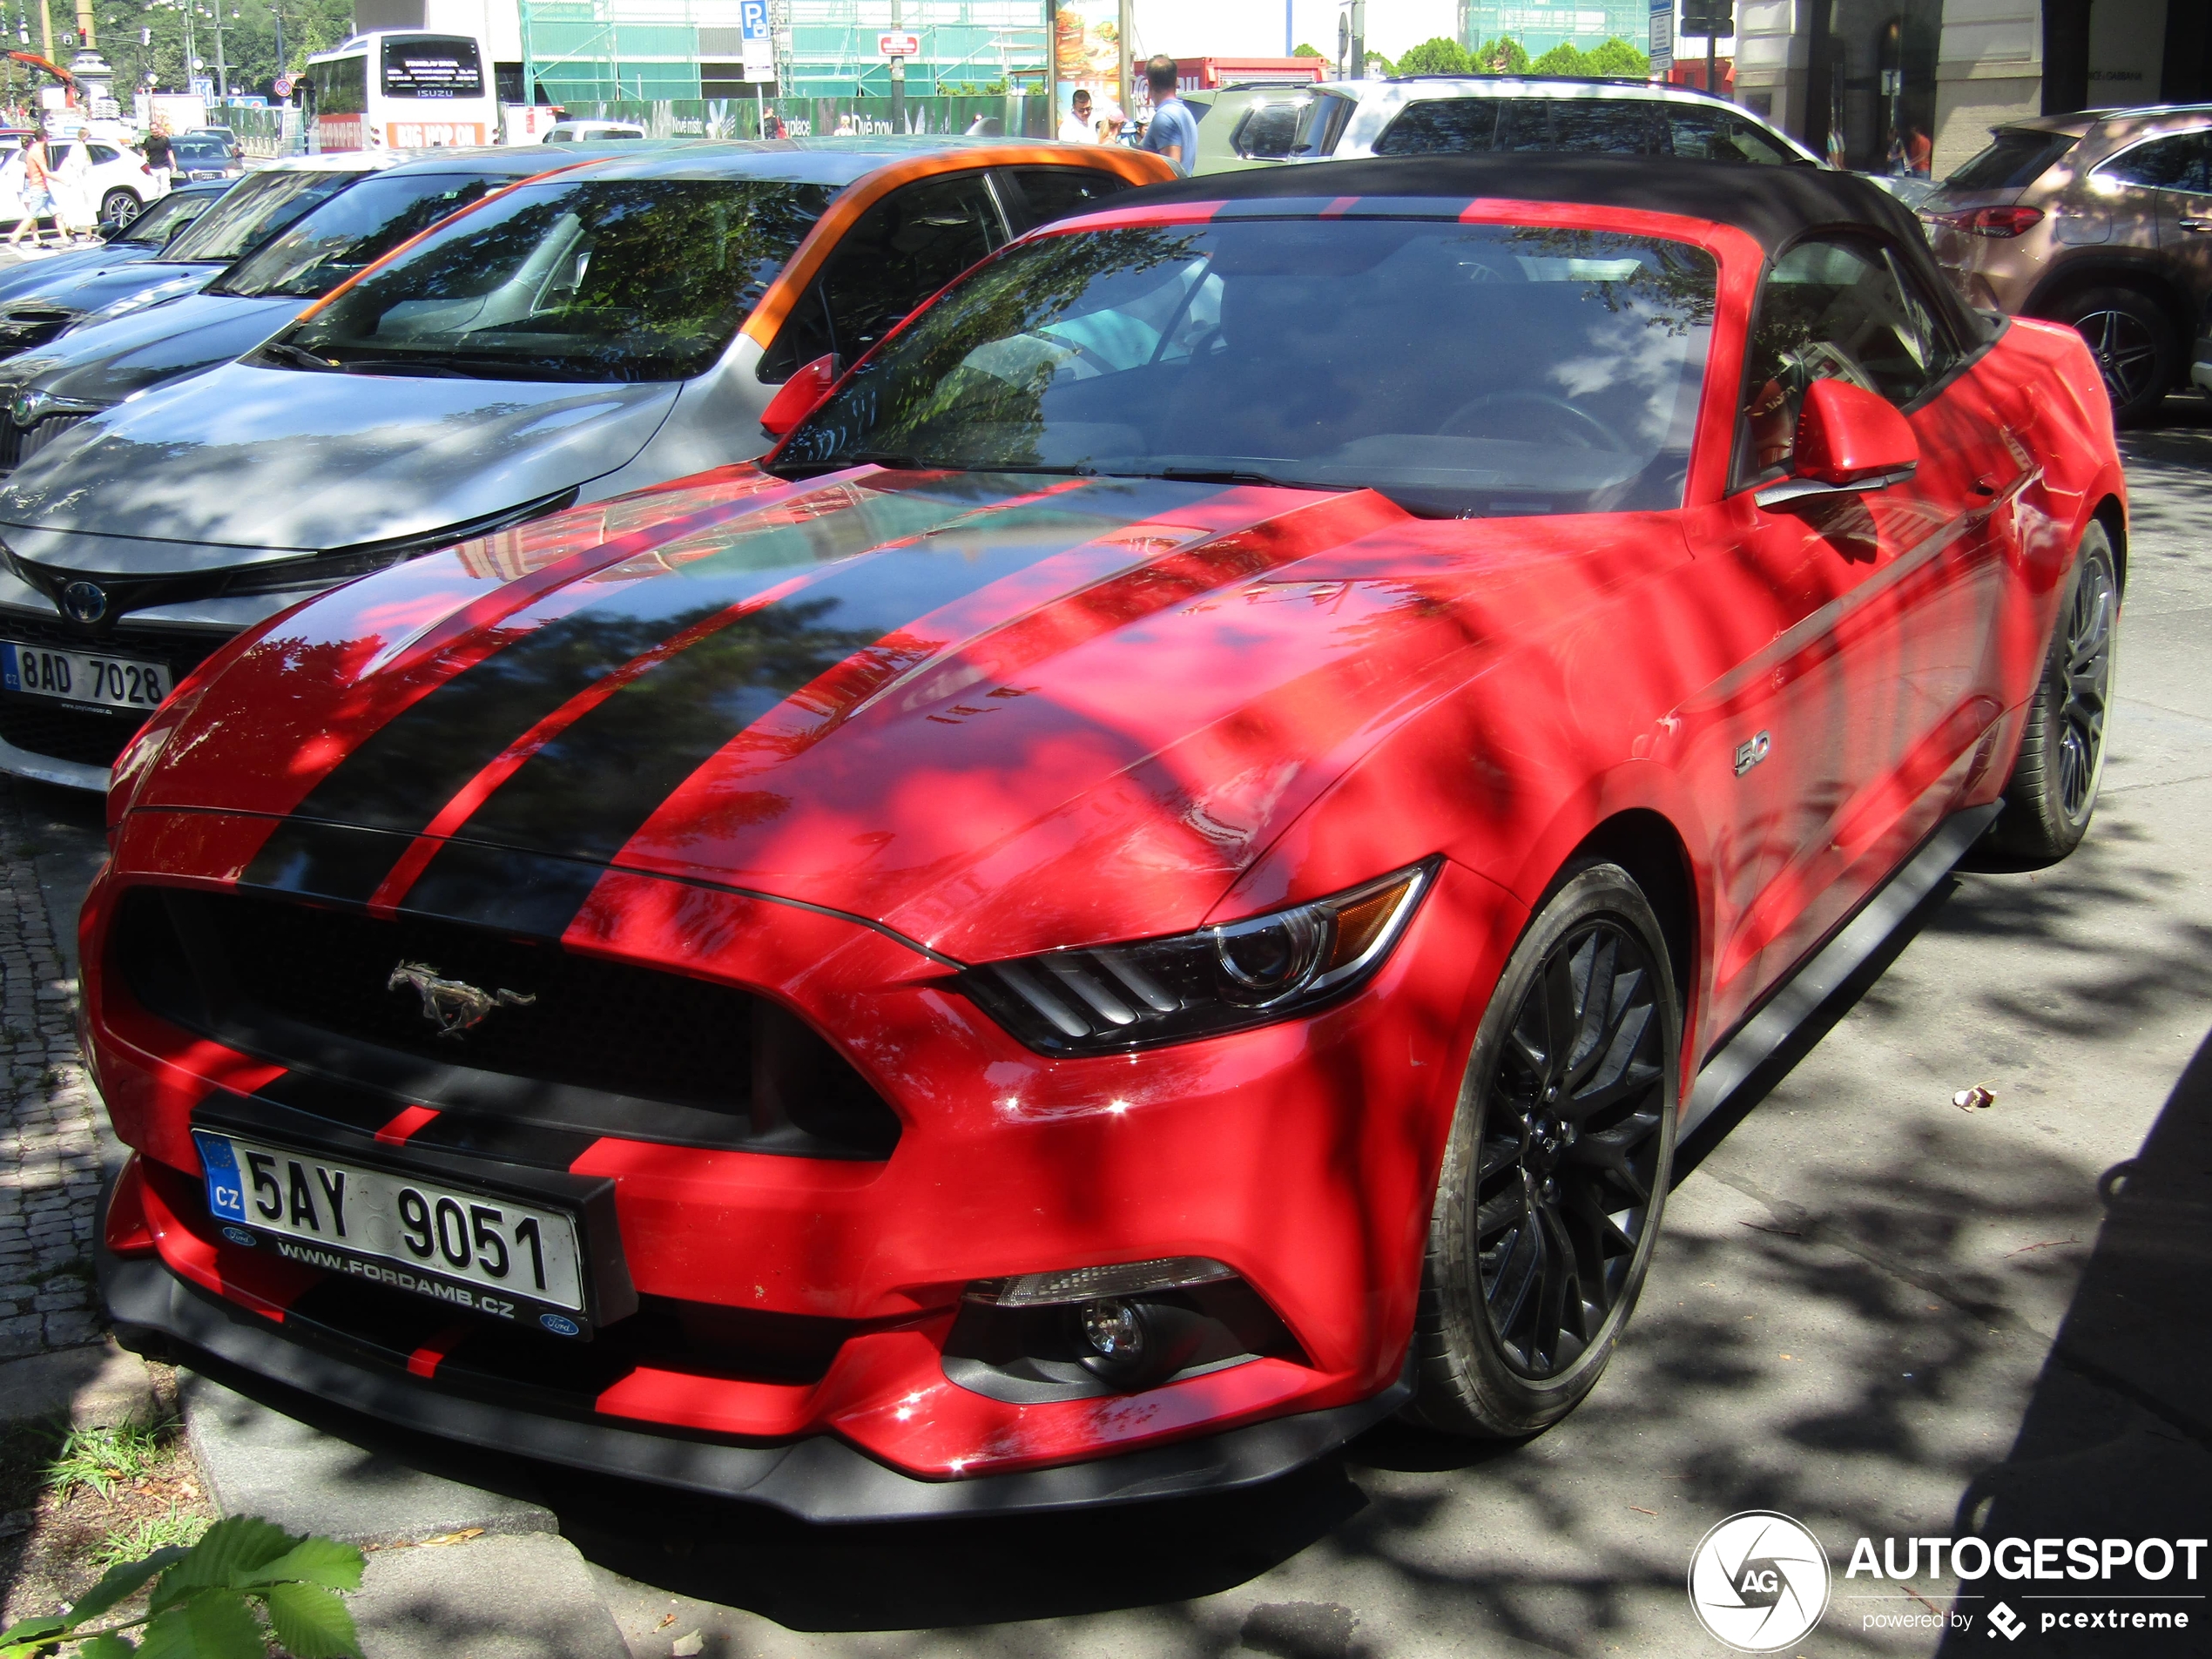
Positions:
(596, 1046)
(18, 444)
(89, 737)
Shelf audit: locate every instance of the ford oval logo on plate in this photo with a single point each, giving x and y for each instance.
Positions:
(84, 602)
(240, 1236)
(560, 1325)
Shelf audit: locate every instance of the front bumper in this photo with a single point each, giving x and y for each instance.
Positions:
(1303, 1155)
(819, 1478)
(2201, 370)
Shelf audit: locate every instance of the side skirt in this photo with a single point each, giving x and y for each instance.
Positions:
(1817, 977)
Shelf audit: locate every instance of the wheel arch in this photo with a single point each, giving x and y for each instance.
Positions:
(2142, 274)
(1646, 845)
(2114, 516)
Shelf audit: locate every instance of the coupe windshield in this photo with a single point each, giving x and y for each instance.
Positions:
(253, 211)
(167, 217)
(1459, 369)
(350, 232)
(593, 281)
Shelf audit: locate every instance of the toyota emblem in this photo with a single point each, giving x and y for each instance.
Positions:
(85, 602)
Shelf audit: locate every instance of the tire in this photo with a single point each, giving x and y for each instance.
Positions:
(1545, 1220)
(2052, 794)
(120, 207)
(2133, 341)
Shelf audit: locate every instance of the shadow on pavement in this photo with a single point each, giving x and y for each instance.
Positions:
(2117, 1440)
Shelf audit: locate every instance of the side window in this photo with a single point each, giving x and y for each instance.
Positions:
(1583, 125)
(1042, 194)
(1714, 135)
(1442, 126)
(100, 154)
(1267, 132)
(904, 249)
(1832, 310)
(2182, 162)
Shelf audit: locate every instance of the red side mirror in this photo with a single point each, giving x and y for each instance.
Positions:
(800, 396)
(1848, 436)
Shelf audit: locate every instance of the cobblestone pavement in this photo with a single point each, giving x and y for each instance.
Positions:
(52, 1126)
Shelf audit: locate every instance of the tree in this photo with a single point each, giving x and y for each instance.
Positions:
(1303, 51)
(1566, 58)
(1504, 56)
(1617, 60)
(1436, 55)
(1379, 67)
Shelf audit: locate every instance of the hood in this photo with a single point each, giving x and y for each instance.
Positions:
(19, 280)
(90, 288)
(996, 713)
(267, 459)
(104, 363)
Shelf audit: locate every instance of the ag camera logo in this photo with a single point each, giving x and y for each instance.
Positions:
(1758, 1582)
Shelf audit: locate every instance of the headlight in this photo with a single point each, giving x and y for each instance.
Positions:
(1224, 978)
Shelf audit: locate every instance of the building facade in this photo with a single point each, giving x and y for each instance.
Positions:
(595, 51)
(1885, 84)
(1539, 25)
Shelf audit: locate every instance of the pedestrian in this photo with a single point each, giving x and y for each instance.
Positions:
(1111, 120)
(72, 188)
(1173, 131)
(1075, 126)
(36, 189)
(159, 155)
(1919, 152)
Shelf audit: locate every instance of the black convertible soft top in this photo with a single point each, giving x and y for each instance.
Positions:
(1773, 206)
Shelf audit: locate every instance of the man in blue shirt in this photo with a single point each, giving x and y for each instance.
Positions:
(1173, 131)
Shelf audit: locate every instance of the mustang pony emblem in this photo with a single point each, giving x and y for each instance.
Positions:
(453, 1006)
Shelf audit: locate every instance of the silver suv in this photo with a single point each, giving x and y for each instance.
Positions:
(1425, 115)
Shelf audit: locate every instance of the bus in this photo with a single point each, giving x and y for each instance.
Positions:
(399, 91)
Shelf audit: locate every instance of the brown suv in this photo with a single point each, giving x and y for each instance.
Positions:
(2103, 219)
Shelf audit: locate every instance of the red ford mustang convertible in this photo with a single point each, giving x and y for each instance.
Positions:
(1160, 882)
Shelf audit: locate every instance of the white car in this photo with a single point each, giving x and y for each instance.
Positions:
(1427, 115)
(593, 132)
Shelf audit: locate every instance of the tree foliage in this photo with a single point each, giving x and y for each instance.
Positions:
(1504, 56)
(249, 41)
(1566, 58)
(1436, 55)
(1617, 60)
(1302, 49)
(205, 1600)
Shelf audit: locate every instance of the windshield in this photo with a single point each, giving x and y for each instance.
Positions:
(600, 280)
(168, 217)
(198, 152)
(351, 232)
(1459, 369)
(2017, 157)
(253, 211)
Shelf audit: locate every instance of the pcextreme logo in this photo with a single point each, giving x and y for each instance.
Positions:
(1760, 1581)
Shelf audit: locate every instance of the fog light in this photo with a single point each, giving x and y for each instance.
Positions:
(1113, 1330)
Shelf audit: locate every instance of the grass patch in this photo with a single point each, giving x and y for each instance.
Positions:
(104, 1458)
(147, 1534)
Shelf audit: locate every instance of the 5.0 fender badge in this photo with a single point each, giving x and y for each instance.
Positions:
(453, 1006)
(1751, 751)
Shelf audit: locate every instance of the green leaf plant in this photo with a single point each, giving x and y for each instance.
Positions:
(210, 1602)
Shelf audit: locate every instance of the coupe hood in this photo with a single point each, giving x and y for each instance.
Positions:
(267, 460)
(88, 288)
(108, 361)
(18, 281)
(993, 712)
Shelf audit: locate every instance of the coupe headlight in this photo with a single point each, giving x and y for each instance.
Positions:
(1225, 978)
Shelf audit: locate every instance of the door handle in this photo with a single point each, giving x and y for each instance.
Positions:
(2197, 224)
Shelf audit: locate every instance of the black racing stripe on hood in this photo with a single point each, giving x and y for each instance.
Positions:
(323, 861)
(591, 789)
(498, 886)
(399, 777)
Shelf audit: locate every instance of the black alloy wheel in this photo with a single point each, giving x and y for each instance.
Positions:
(2052, 794)
(1552, 1187)
(2132, 345)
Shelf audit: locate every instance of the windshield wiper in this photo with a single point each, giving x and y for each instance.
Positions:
(886, 458)
(1226, 476)
(297, 357)
(427, 367)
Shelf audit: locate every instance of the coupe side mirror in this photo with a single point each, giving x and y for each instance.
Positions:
(800, 396)
(1848, 440)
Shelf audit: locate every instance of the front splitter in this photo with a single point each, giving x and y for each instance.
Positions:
(819, 1478)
